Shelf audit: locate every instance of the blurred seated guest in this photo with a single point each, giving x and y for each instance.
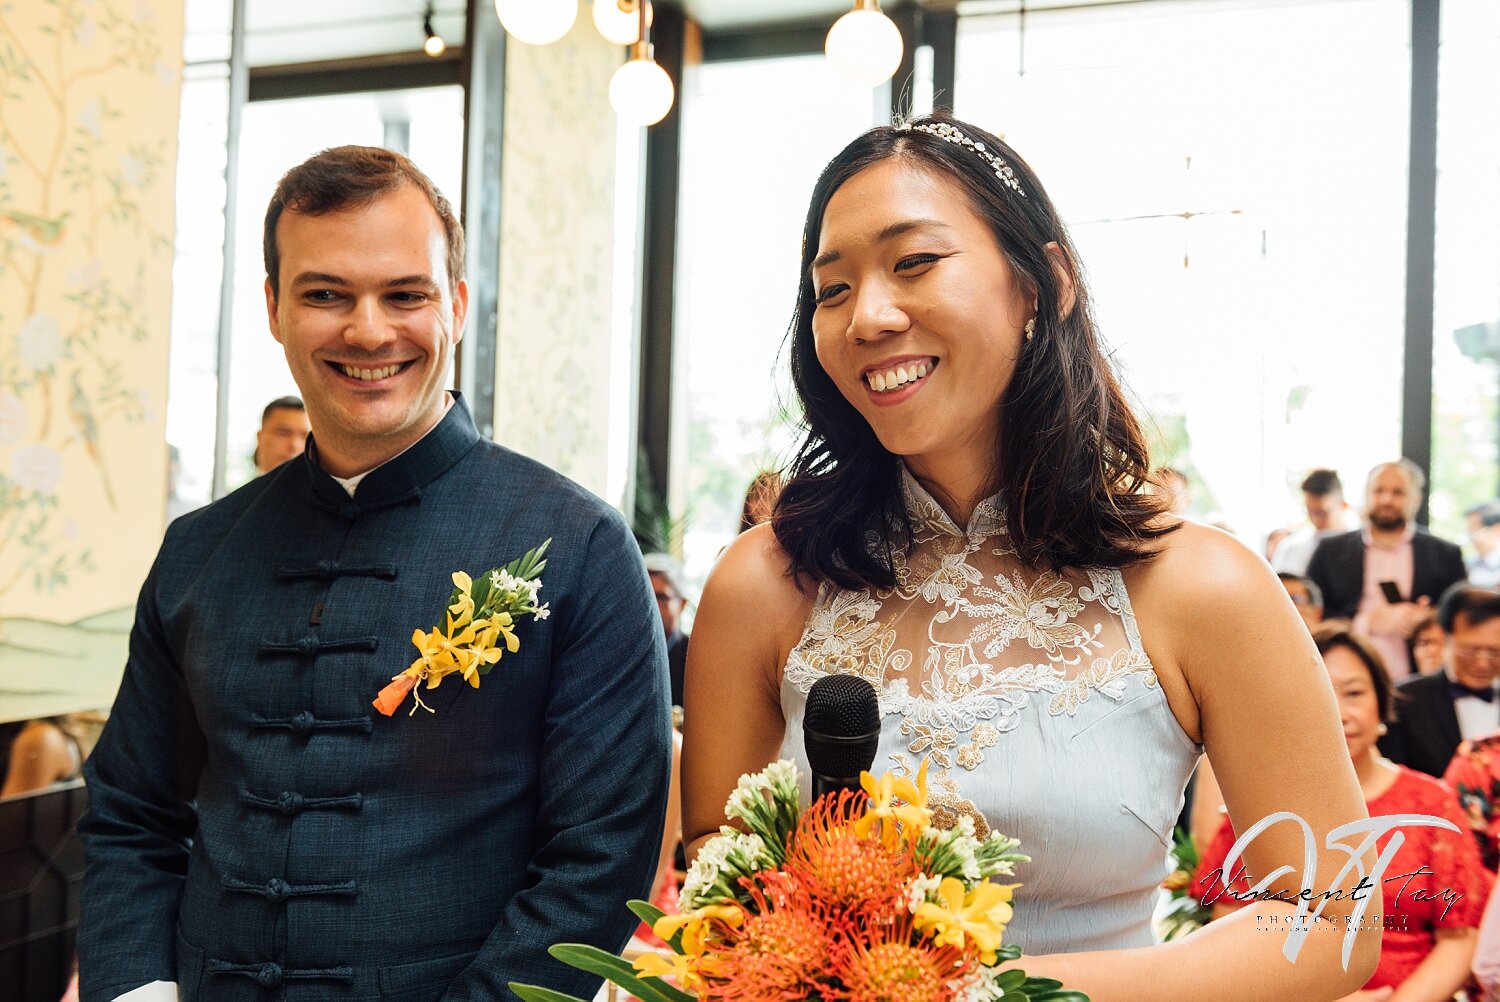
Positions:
(671, 595)
(760, 499)
(1486, 965)
(1484, 532)
(1274, 539)
(1385, 576)
(1305, 596)
(1173, 484)
(1428, 644)
(283, 433)
(1474, 775)
(1438, 711)
(41, 754)
(1429, 935)
(1327, 515)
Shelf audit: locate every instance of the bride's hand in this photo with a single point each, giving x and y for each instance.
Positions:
(1369, 995)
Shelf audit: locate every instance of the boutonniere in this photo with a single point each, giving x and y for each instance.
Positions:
(479, 628)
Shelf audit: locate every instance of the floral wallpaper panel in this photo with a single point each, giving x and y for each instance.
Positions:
(88, 144)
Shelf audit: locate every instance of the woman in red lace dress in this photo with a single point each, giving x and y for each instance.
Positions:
(1431, 918)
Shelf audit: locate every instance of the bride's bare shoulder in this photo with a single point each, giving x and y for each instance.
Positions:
(1200, 563)
(755, 572)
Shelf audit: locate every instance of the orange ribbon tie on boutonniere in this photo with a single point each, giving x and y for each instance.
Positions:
(392, 695)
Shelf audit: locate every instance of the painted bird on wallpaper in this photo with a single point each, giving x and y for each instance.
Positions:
(42, 232)
(82, 413)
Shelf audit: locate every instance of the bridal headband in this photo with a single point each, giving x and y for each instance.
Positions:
(948, 133)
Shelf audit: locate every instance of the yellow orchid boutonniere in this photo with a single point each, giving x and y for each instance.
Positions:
(479, 628)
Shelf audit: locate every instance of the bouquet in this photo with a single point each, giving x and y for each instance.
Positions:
(856, 898)
(1184, 912)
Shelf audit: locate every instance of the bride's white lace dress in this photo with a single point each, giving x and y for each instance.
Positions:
(1034, 701)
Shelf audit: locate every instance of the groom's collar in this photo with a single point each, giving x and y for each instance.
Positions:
(402, 477)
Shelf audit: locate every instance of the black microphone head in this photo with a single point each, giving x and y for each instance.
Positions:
(841, 727)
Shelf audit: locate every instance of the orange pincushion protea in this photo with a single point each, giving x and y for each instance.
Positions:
(838, 866)
(881, 962)
(780, 953)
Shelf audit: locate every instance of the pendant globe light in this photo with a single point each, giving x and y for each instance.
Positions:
(537, 22)
(641, 91)
(619, 21)
(864, 45)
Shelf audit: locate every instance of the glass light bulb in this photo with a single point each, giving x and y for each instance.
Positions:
(434, 46)
(537, 22)
(865, 47)
(641, 92)
(620, 26)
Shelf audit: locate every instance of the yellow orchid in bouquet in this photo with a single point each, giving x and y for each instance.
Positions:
(477, 631)
(858, 896)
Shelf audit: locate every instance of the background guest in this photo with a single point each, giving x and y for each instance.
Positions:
(1427, 945)
(1391, 553)
(1440, 710)
(1306, 596)
(1174, 484)
(671, 596)
(1487, 953)
(760, 499)
(41, 754)
(283, 433)
(1428, 643)
(1484, 532)
(1474, 775)
(1327, 511)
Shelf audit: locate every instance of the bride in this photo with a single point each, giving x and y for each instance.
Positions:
(968, 525)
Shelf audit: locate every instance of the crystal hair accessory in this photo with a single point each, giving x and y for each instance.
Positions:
(948, 133)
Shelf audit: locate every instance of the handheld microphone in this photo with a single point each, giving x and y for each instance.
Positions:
(841, 731)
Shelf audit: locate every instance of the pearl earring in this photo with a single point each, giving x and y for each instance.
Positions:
(1382, 730)
(1030, 328)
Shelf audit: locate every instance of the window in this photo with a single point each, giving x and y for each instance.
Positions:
(1234, 176)
(1466, 314)
(755, 136)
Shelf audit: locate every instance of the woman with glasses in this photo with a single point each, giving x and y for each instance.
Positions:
(1427, 644)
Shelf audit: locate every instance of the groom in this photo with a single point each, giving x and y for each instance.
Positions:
(257, 831)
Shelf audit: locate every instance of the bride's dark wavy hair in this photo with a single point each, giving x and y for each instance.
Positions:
(1073, 461)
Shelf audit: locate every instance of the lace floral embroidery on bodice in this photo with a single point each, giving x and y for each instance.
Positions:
(991, 636)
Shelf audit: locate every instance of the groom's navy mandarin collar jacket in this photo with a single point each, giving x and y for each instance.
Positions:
(258, 831)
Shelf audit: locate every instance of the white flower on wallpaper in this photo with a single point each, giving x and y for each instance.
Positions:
(37, 468)
(132, 170)
(89, 119)
(87, 274)
(41, 342)
(12, 419)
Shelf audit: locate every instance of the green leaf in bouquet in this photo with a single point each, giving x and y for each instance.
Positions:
(535, 993)
(650, 914)
(1064, 995)
(1032, 986)
(1010, 980)
(1009, 951)
(617, 971)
